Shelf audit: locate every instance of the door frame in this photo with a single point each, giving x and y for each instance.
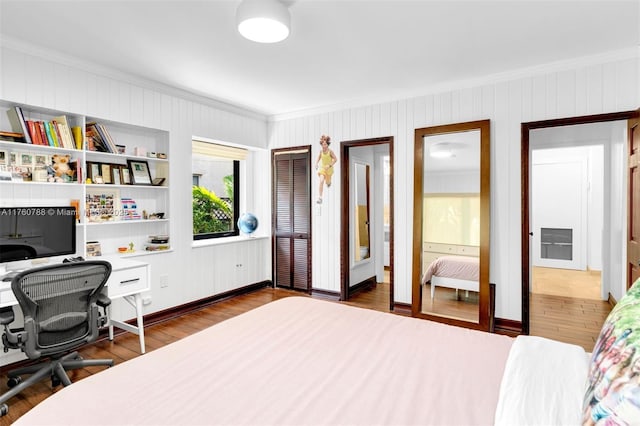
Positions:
(274, 209)
(525, 164)
(345, 222)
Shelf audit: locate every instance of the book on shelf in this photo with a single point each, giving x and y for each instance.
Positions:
(64, 129)
(94, 139)
(11, 136)
(18, 123)
(34, 133)
(76, 166)
(48, 133)
(77, 136)
(102, 137)
(56, 133)
(43, 133)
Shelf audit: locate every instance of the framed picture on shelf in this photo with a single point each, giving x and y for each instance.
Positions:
(93, 171)
(13, 159)
(5, 173)
(115, 174)
(4, 158)
(102, 205)
(105, 171)
(41, 160)
(25, 159)
(125, 175)
(140, 174)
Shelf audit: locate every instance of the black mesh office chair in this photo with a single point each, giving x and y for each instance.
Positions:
(60, 304)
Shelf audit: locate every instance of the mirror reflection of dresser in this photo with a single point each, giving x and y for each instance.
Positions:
(432, 251)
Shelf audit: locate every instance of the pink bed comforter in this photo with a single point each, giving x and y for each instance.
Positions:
(297, 361)
(459, 267)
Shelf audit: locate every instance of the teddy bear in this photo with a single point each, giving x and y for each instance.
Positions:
(61, 169)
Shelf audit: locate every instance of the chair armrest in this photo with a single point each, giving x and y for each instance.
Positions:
(103, 301)
(6, 316)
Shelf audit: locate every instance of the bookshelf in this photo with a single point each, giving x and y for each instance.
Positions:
(122, 179)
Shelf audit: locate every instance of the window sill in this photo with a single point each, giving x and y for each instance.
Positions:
(225, 240)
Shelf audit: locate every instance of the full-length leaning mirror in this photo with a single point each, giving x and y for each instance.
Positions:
(362, 246)
(451, 224)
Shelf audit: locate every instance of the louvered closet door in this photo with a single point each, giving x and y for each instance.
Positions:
(292, 219)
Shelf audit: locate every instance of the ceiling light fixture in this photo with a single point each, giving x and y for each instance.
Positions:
(441, 150)
(263, 21)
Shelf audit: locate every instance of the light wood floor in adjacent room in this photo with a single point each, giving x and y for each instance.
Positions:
(566, 282)
(566, 305)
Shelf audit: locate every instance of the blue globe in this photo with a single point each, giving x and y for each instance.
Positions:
(248, 223)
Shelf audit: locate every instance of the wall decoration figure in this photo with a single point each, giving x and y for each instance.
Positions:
(324, 165)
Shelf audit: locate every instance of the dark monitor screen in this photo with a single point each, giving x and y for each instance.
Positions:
(35, 232)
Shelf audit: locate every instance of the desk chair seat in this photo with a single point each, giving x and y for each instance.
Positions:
(60, 304)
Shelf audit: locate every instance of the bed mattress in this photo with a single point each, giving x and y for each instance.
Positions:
(297, 361)
(458, 267)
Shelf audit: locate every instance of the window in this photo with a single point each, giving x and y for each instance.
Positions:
(216, 189)
(452, 219)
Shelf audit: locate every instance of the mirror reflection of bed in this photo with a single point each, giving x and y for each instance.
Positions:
(451, 225)
(450, 281)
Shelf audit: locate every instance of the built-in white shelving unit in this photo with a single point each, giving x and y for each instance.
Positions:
(112, 231)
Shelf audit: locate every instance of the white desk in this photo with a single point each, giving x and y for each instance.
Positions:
(128, 279)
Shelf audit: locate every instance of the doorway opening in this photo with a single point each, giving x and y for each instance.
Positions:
(576, 162)
(567, 209)
(366, 231)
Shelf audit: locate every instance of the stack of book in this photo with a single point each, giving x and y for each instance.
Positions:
(57, 132)
(99, 139)
(129, 209)
(157, 242)
(11, 136)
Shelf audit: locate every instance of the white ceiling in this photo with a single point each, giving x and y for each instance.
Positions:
(339, 52)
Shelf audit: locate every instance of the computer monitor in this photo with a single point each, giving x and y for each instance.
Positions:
(36, 232)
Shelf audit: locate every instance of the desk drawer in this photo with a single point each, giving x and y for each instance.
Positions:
(127, 281)
(7, 298)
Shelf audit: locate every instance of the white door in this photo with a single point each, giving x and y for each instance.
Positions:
(559, 204)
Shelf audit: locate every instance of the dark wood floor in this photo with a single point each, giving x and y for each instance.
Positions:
(126, 346)
(546, 311)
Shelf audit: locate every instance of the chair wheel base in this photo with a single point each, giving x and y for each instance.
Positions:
(4, 410)
(14, 381)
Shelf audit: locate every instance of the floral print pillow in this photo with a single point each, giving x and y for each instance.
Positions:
(613, 385)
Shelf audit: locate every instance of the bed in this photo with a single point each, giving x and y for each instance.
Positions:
(302, 361)
(458, 272)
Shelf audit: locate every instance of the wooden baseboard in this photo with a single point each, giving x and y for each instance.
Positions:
(179, 310)
(325, 294)
(612, 301)
(402, 308)
(367, 284)
(508, 327)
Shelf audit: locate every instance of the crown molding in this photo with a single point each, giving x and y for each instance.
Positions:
(108, 72)
(558, 66)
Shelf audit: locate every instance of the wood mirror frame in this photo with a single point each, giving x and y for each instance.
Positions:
(484, 294)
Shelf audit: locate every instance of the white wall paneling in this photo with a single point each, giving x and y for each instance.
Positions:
(600, 85)
(192, 273)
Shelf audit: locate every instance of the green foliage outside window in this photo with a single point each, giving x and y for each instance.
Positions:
(210, 212)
